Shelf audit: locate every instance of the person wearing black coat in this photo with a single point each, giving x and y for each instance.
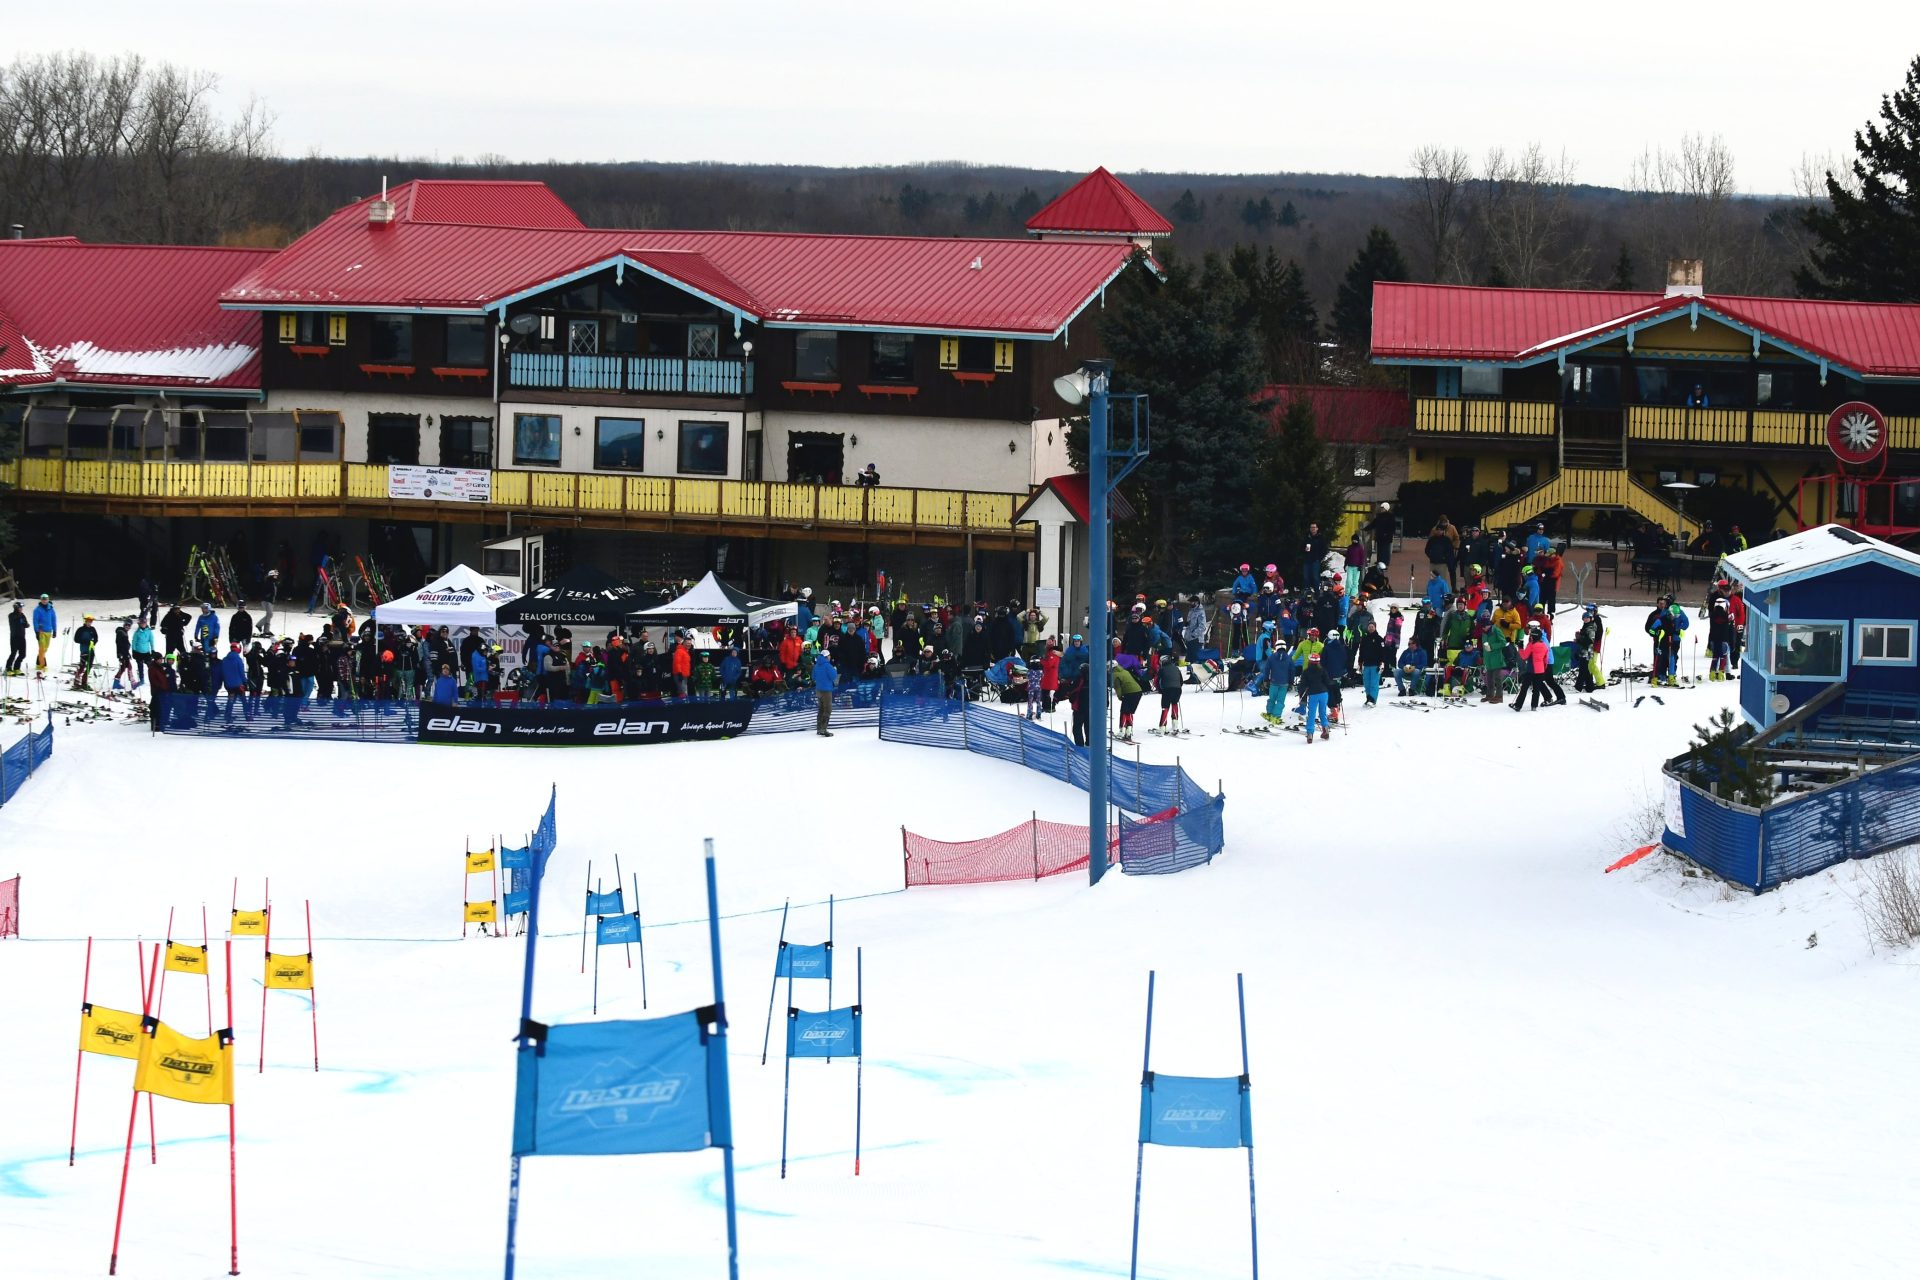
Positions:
(974, 649)
(1375, 654)
(1168, 682)
(16, 639)
(1004, 635)
(240, 627)
(174, 628)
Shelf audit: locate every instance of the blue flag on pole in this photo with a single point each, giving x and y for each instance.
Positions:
(614, 930)
(605, 904)
(1195, 1111)
(621, 1088)
(522, 857)
(804, 960)
(545, 838)
(833, 1034)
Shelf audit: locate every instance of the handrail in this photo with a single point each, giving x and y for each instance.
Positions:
(1800, 714)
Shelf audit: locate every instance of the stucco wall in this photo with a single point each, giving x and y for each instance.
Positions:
(926, 453)
(354, 407)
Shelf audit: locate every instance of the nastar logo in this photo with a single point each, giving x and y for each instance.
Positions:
(1191, 1114)
(290, 971)
(190, 1068)
(631, 728)
(823, 1032)
(461, 724)
(112, 1035)
(612, 1094)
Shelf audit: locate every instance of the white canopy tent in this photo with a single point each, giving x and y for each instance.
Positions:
(712, 603)
(459, 598)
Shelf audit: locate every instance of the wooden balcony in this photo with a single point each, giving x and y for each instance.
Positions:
(1733, 426)
(633, 375)
(734, 508)
(1470, 417)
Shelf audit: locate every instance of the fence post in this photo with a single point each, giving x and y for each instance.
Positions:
(1033, 828)
(965, 745)
(1021, 727)
(1179, 792)
(906, 860)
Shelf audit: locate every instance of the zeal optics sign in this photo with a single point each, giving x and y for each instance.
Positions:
(598, 726)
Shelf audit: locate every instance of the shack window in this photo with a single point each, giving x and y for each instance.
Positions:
(1809, 650)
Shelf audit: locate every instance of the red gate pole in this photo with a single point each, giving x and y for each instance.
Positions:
(313, 988)
(80, 1055)
(153, 1147)
(233, 1159)
(133, 1115)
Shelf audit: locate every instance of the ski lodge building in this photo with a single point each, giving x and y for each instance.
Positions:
(667, 402)
(1581, 400)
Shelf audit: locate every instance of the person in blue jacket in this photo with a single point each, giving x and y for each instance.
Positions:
(1073, 663)
(826, 677)
(206, 630)
(482, 669)
(1538, 543)
(233, 671)
(1245, 587)
(1437, 590)
(1278, 673)
(1530, 583)
(446, 688)
(1333, 655)
(45, 625)
(1411, 669)
(730, 670)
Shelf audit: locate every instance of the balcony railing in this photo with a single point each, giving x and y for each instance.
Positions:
(1674, 424)
(658, 375)
(1464, 416)
(336, 484)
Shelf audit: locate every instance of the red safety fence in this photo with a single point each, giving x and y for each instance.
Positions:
(1031, 851)
(10, 907)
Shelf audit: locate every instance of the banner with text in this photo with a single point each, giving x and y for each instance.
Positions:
(440, 484)
(608, 726)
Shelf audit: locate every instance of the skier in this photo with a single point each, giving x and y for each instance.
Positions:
(1127, 687)
(206, 631)
(16, 639)
(1534, 660)
(1374, 653)
(1244, 587)
(45, 623)
(87, 637)
(1496, 655)
(240, 627)
(173, 627)
(1412, 669)
(1169, 681)
(1049, 682)
(1663, 627)
(1719, 639)
(1586, 650)
(123, 652)
(826, 678)
(1279, 675)
(1314, 688)
(233, 674)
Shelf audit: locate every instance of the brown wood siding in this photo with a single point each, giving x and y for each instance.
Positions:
(339, 369)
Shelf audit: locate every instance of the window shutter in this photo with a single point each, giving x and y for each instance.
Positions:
(949, 353)
(1003, 357)
(336, 331)
(289, 326)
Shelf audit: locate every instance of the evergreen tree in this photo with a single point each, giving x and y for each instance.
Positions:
(1025, 206)
(1622, 271)
(1258, 214)
(1869, 238)
(1277, 305)
(1729, 768)
(1289, 216)
(1295, 484)
(981, 210)
(1183, 343)
(914, 202)
(1187, 209)
(1379, 259)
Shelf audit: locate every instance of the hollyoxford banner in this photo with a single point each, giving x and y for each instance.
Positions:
(440, 484)
(598, 726)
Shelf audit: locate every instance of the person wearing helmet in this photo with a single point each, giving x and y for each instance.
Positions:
(1587, 676)
(86, 638)
(1496, 656)
(1315, 688)
(233, 673)
(206, 629)
(45, 624)
(1531, 663)
(1278, 674)
(1168, 681)
(1244, 587)
(1664, 626)
(1127, 687)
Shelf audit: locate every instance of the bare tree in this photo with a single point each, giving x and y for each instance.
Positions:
(1435, 209)
(1524, 210)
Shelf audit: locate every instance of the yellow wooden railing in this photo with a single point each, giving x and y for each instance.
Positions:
(1686, 426)
(1462, 416)
(751, 501)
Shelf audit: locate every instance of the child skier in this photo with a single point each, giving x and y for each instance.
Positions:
(1168, 681)
(1127, 687)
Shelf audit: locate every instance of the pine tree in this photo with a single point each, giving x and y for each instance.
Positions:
(1379, 259)
(1279, 307)
(1289, 216)
(1182, 342)
(914, 202)
(1187, 209)
(1732, 771)
(1025, 206)
(1622, 271)
(1296, 482)
(1257, 214)
(1869, 238)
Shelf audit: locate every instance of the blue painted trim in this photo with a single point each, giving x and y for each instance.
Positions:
(1447, 383)
(1846, 650)
(620, 260)
(1913, 642)
(1867, 555)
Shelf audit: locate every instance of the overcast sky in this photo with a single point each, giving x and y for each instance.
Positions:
(1219, 86)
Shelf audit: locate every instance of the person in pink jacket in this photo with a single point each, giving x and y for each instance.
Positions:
(1536, 668)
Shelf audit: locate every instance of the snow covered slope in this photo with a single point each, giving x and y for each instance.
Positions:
(1473, 1054)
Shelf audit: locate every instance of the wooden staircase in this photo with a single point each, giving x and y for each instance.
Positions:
(1590, 487)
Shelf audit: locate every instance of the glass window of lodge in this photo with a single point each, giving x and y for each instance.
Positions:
(892, 357)
(703, 448)
(816, 355)
(976, 355)
(466, 442)
(619, 444)
(1890, 642)
(1592, 386)
(467, 342)
(1481, 380)
(390, 339)
(536, 439)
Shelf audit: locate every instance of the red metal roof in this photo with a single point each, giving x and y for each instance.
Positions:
(1100, 204)
(1344, 415)
(124, 315)
(1017, 287)
(1071, 488)
(483, 203)
(1443, 322)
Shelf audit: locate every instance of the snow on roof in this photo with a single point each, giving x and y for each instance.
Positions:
(1814, 552)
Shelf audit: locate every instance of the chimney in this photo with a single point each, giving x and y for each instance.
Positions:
(1686, 278)
(16, 231)
(380, 212)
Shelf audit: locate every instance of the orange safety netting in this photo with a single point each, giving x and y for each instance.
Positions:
(1030, 851)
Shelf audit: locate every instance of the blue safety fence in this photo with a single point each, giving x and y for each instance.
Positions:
(1190, 839)
(854, 707)
(1762, 848)
(18, 762)
(275, 717)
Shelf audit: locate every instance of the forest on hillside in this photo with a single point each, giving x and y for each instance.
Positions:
(125, 149)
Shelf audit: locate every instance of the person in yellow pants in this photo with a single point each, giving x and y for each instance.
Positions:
(45, 623)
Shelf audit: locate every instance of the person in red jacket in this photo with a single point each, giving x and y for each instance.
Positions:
(682, 667)
(1050, 677)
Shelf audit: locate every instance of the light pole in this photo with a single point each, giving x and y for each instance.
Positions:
(1089, 385)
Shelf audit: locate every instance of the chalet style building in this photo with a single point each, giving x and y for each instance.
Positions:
(664, 401)
(1579, 401)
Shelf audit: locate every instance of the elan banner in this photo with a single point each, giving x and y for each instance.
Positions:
(440, 484)
(598, 726)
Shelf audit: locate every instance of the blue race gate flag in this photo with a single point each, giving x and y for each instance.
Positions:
(621, 1088)
(833, 1034)
(518, 897)
(521, 857)
(804, 960)
(1195, 1111)
(614, 930)
(605, 904)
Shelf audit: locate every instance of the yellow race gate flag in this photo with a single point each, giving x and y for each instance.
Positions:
(478, 862)
(480, 912)
(182, 958)
(292, 973)
(185, 1068)
(249, 923)
(112, 1032)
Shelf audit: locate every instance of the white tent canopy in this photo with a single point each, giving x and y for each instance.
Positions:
(459, 598)
(712, 603)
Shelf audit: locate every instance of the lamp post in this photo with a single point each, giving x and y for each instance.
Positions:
(1089, 385)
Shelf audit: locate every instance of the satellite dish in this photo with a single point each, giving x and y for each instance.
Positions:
(1780, 704)
(524, 323)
